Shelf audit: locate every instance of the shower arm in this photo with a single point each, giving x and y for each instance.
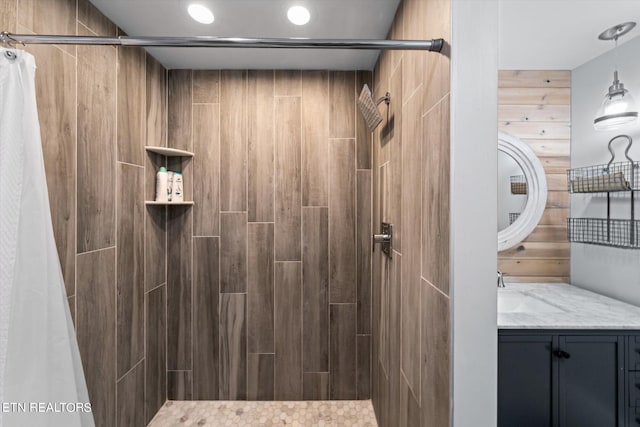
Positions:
(386, 99)
(434, 45)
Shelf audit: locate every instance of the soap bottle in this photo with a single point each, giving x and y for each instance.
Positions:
(177, 194)
(161, 185)
(170, 185)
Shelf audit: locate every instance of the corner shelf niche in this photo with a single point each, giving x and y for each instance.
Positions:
(622, 178)
(167, 153)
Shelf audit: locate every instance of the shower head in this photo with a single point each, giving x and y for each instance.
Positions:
(369, 108)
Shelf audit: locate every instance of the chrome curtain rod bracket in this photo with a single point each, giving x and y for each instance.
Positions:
(434, 45)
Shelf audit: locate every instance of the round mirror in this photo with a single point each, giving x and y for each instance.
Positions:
(522, 191)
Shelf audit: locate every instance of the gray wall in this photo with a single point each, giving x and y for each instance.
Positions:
(474, 148)
(608, 271)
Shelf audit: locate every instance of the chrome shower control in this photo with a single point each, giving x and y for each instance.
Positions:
(385, 239)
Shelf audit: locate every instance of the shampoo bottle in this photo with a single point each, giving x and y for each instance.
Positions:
(161, 185)
(176, 188)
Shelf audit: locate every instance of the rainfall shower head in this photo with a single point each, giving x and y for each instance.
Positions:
(369, 108)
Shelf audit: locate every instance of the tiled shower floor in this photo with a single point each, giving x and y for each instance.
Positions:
(334, 413)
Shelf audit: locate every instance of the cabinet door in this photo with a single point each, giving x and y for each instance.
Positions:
(590, 381)
(525, 378)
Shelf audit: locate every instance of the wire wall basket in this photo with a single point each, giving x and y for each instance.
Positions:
(513, 217)
(619, 233)
(612, 177)
(519, 184)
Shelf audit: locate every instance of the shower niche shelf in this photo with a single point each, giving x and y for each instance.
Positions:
(611, 180)
(173, 159)
(168, 152)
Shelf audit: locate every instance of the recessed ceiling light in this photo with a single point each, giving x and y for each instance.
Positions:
(298, 15)
(200, 13)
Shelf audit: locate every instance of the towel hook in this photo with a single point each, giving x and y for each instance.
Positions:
(626, 151)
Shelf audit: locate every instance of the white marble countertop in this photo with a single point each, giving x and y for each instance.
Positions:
(561, 306)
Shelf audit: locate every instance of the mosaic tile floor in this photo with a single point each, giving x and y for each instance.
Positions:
(333, 413)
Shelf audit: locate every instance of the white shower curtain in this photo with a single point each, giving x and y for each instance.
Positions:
(41, 377)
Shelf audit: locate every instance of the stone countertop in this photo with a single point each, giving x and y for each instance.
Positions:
(575, 308)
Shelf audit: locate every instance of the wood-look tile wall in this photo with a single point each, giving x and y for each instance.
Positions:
(536, 107)
(411, 148)
(98, 107)
(269, 273)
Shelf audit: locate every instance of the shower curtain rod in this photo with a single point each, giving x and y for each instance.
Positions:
(232, 42)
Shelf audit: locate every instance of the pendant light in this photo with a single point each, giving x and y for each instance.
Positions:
(618, 107)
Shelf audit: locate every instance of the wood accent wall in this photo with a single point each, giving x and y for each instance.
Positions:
(98, 107)
(411, 294)
(536, 107)
(269, 273)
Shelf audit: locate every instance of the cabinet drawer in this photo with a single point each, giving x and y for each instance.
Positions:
(633, 353)
(634, 417)
(633, 384)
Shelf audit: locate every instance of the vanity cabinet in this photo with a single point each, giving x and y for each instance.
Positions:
(567, 378)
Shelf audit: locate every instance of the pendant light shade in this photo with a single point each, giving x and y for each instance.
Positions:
(618, 108)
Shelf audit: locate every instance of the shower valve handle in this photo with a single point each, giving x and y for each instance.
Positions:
(384, 239)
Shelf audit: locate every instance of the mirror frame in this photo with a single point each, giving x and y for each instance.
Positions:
(536, 191)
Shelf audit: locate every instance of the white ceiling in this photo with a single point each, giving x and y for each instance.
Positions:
(256, 18)
(559, 34)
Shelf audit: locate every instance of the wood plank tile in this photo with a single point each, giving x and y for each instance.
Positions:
(395, 373)
(536, 96)
(342, 221)
(206, 86)
(393, 137)
(550, 147)
(71, 301)
(539, 279)
(363, 343)
(131, 398)
(96, 152)
(315, 386)
(56, 93)
(288, 83)
(9, 16)
(363, 136)
(288, 331)
(131, 105)
(315, 133)
(537, 130)
(548, 233)
(155, 252)
(554, 217)
(233, 252)
(342, 104)
(260, 142)
(287, 179)
(436, 333)
(413, 141)
(206, 170)
(363, 250)
(315, 289)
(384, 279)
(179, 110)
(436, 23)
(179, 288)
(156, 351)
(534, 113)
(535, 267)
(92, 18)
(556, 182)
(558, 199)
(205, 317)
(435, 197)
(179, 385)
(156, 92)
(260, 288)
(233, 347)
(534, 78)
(538, 250)
(130, 258)
(555, 164)
(260, 377)
(45, 17)
(409, 406)
(342, 357)
(96, 330)
(233, 140)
